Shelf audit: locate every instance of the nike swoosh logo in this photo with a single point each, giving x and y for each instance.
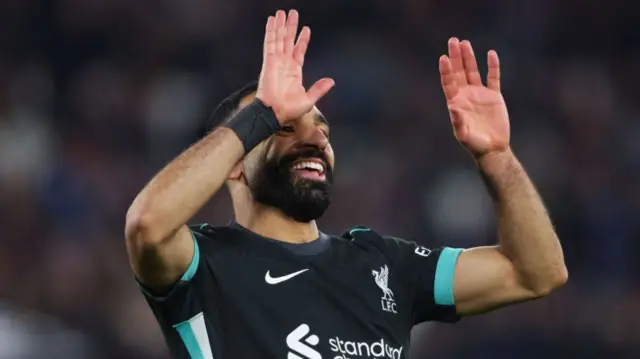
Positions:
(271, 280)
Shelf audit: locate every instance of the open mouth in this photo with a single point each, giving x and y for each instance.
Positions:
(313, 169)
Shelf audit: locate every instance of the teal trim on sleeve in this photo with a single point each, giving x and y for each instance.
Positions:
(443, 282)
(359, 230)
(195, 260)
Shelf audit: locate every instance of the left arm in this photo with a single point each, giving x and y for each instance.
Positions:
(528, 262)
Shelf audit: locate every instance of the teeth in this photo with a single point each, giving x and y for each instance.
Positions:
(309, 166)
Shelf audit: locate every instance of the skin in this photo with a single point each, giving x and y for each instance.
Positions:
(527, 262)
(159, 243)
(310, 130)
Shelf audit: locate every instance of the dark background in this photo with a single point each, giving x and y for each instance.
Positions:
(96, 95)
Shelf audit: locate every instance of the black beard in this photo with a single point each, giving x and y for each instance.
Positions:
(301, 199)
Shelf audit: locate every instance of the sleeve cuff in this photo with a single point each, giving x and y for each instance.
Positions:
(186, 276)
(445, 270)
(195, 260)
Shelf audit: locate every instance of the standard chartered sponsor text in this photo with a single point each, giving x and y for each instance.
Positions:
(352, 350)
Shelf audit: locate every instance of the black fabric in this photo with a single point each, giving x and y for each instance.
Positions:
(357, 294)
(253, 124)
(310, 248)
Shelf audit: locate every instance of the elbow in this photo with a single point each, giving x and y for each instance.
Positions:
(553, 281)
(141, 229)
(563, 276)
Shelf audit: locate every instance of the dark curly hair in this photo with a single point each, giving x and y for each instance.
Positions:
(227, 108)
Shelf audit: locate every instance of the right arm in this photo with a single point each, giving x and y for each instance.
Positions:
(159, 243)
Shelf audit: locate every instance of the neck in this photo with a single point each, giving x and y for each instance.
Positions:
(272, 223)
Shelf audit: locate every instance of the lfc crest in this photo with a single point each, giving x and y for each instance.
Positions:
(387, 301)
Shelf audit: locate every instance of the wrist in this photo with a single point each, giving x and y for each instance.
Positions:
(497, 162)
(253, 124)
(278, 115)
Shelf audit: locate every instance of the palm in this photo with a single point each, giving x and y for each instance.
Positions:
(280, 86)
(478, 113)
(283, 76)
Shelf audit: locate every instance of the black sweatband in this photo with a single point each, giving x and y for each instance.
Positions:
(254, 124)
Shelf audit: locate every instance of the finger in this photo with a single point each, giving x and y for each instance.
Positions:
(493, 76)
(455, 56)
(281, 30)
(301, 45)
(447, 78)
(292, 29)
(470, 64)
(319, 89)
(270, 37)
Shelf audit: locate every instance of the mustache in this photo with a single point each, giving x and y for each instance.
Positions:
(315, 153)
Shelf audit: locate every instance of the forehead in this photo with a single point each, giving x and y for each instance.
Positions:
(246, 100)
(314, 113)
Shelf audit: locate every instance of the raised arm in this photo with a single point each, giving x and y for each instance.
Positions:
(159, 243)
(528, 262)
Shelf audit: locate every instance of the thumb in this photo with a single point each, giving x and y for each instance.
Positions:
(319, 89)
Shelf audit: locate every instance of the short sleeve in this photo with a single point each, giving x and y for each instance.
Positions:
(186, 311)
(429, 273)
(180, 301)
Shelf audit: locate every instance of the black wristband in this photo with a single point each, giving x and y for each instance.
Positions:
(254, 124)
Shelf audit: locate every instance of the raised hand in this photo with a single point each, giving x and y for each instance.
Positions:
(478, 113)
(280, 85)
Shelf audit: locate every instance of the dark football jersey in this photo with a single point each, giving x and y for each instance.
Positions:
(245, 296)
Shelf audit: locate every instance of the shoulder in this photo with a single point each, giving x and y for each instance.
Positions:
(395, 248)
(367, 237)
(360, 234)
(209, 236)
(205, 230)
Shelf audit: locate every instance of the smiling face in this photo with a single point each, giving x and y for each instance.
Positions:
(293, 169)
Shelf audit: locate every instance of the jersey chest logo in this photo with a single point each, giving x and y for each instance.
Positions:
(387, 301)
(275, 280)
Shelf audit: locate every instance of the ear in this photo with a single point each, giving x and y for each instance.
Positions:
(236, 172)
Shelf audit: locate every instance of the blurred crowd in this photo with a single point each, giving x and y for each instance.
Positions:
(97, 95)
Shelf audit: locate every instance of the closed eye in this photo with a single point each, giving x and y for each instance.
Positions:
(287, 129)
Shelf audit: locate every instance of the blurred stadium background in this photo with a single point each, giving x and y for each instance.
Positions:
(96, 95)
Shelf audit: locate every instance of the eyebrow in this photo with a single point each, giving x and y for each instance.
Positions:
(318, 117)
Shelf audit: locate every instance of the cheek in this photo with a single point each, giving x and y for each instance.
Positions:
(330, 156)
(273, 148)
(253, 160)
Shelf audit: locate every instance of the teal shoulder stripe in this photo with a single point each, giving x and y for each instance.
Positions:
(195, 260)
(193, 333)
(445, 270)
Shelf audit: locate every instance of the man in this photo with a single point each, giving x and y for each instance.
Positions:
(270, 285)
